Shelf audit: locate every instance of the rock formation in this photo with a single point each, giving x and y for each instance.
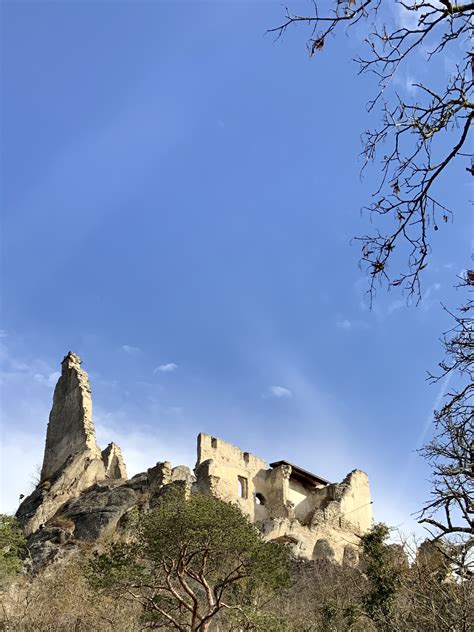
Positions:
(113, 462)
(84, 494)
(70, 428)
(72, 459)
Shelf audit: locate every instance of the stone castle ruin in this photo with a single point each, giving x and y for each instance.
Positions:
(84, 493)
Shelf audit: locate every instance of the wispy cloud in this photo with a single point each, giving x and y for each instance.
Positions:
(130, 349)
(47, 380)
(22, 454)
(344, 324)
(279, 392)
(348, 325)
(166, 368)
(142, 447)
(406, 471)
(434, 287)
(406, 18)
(395, 305)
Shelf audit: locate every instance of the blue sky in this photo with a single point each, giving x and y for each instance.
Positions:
(180, 191)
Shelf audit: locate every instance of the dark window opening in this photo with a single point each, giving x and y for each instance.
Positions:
(259, 499)
(213, 442)
(246, 457)
(243, 487)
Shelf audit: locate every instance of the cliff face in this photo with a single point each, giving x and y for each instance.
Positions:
(84, 494)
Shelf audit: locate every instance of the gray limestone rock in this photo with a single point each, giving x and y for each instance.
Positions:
(72, 460)
(70, 428)
(351, 556)
(323, 550)
(80, 472)
(98, 510)
(113, 462)
(183, 473)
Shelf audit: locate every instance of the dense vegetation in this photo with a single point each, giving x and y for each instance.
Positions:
(198, 564)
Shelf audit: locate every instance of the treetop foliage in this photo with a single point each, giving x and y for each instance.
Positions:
(12, 547)
(193, 557)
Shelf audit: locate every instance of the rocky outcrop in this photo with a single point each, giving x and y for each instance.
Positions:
(79, 473)
(183, 473)
(102, 511)
(72, 460)
(97, 512)
(82, 521)
(113, 462)
(84, 495)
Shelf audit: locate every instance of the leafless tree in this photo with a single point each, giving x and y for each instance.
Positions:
(421, 139)
(450, 511)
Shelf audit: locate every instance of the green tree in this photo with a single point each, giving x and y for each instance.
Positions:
(384, 566)
(12, 547)
(194, 561)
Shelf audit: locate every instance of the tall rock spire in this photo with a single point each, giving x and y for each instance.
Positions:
(70, 429)
(72, 460)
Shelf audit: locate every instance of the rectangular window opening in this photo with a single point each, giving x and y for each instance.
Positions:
(213, 442)
(243, 487)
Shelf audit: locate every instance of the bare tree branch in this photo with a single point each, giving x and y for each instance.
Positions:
(412, 134)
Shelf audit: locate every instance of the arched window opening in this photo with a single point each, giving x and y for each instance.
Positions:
(259, 499)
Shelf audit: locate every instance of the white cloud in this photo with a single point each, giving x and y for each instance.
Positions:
(47, 380)
(279, 392)
(131, 350)
(21, 454)
(428, 300)
(410, 86)
(349, 325)
(434, 287)
(166, 368)
(344, 324)
(395, 305)
(143, 447)
(406, 18)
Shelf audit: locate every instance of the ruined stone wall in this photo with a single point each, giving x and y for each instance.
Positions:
(84, 493)
(356, 501)
(231, 474)
(318, 520)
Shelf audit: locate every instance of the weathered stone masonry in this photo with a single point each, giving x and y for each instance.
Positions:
(319, 518)
(84, 493)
